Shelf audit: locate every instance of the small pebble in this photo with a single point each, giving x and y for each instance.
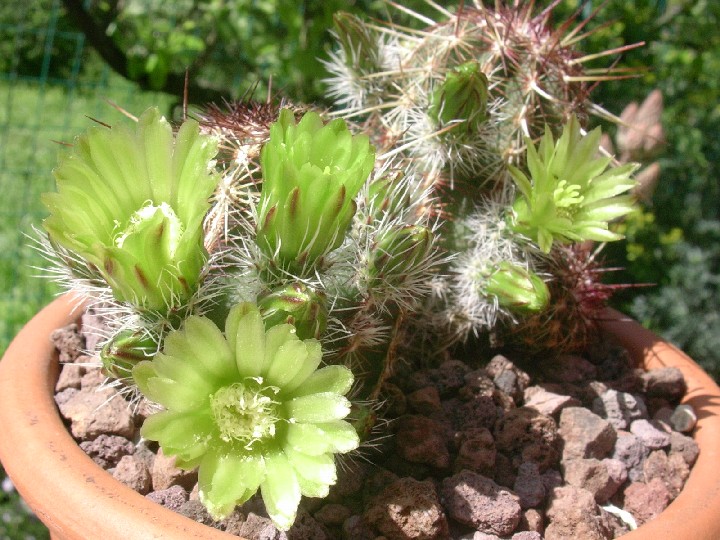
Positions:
(683, 419)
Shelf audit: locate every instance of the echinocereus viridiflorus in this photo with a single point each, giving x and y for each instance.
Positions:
(251, 410)
(311, 175)
(131, 203)
(570, 195)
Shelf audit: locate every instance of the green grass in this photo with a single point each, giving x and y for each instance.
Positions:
(32, 117)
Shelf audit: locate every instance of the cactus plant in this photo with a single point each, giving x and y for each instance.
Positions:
(423, 208)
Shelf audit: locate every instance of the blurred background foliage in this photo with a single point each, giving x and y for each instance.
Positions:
(60, 59)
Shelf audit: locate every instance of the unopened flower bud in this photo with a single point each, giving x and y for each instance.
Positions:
(361, 50)
(462, 97)
(124, 351)
(398, 251)
(296, 304)
(517, 289)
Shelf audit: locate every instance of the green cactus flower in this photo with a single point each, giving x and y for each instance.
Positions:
(571, 194)
(517, 289)
(131, 202)
(251, 410)
(311, 175)
(296, 304)
(462, 97)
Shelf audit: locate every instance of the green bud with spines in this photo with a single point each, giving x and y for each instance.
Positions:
(571, 195)
(124, 351)
(397, 252)
(296, 304)
(131, 203)
(359, 45)
(311, 174)
(462, 97)
(517, 289)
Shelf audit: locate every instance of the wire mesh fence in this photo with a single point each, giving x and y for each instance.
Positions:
(51, 82)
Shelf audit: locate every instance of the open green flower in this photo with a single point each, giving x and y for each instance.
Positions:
(571, 194)
(251, 409)
(132, 202)
(311, 175)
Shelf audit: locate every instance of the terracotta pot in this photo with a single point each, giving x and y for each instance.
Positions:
(78, 500)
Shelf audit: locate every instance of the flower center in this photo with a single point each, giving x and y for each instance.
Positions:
(245, 411)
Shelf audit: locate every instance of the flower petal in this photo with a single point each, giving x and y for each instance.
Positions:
(274, 338)
(292, 358)
(227, 480)
(315, 439)
(185, 434)
(319, 469)
(175, 395)
(280, 490)
(335, 379)
(324, 407)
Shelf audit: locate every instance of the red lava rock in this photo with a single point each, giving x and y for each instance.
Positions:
(477, 452)
(70, 377)
(86, 423)
(349, 484)
(685, 446)
(526, 535)
(574, 515)
(529, 485)
(631, 452)
(406, 509)
(476, 501)
(479, 412)
(527, 435)
(546, 402)
(650, 433)
(645, 501)
(357, 528)
(585, 434)
(533, 520)
(256, 526)
(477, 383)
(68, 342)
(332, 514)
(619, 408)
(132, 472)
(93, 329)
(673, 471)
(106, 450)
(667, 383)
(305, 528)
(173, 497)
(420, 440)
(195, 510)
(92, 378)
(425, 401)
(590, 475)
(617, 474)
(166, 474)
(569, 368)
(451, 376)
(505, 472)
(508, 377)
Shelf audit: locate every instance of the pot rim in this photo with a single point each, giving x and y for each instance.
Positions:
(36, 441)
(35, 434)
